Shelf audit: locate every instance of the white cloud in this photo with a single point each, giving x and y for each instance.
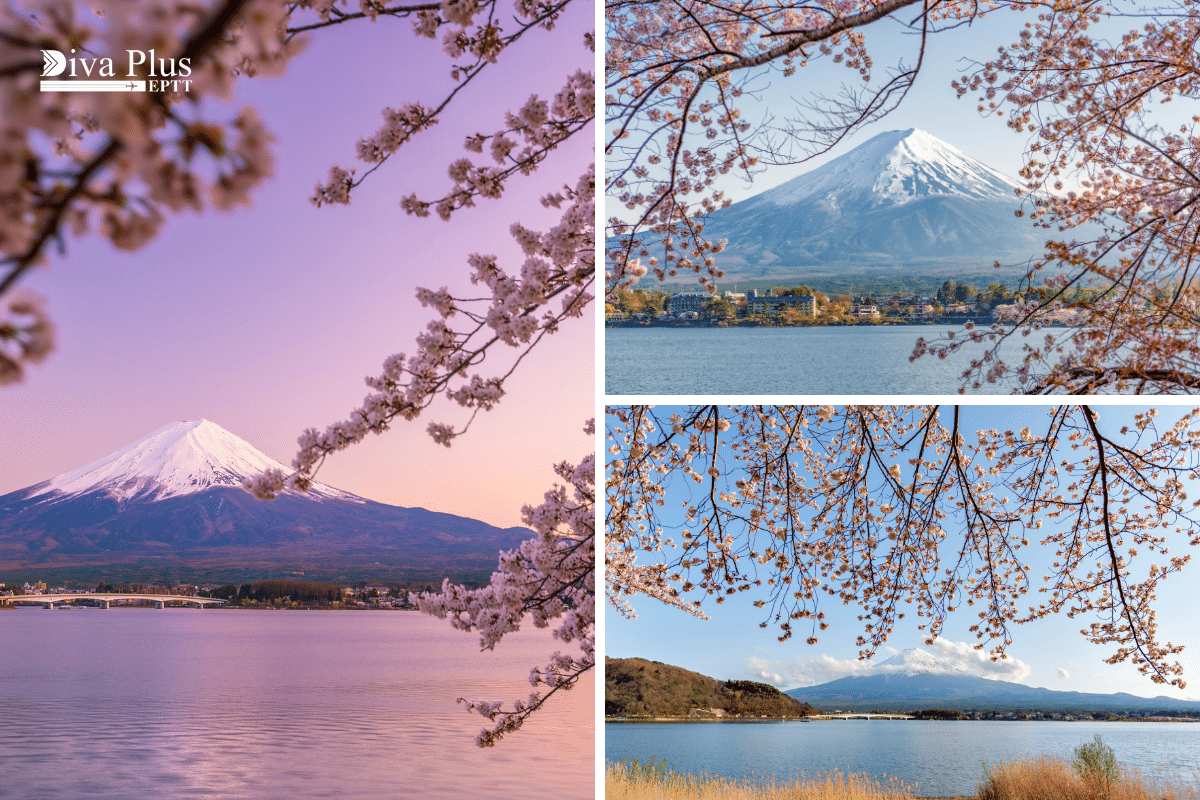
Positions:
(1062, 673)
(805, 671)
(963, 657)
(946, 658)
(761, 669)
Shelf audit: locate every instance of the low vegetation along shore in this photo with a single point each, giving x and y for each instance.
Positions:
(1093, 774)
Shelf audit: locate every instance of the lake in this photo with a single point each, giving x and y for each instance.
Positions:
(182, 703)
(812, 361)
(942, 759)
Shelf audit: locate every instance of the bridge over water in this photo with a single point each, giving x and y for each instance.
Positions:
(106, 599)
(861, 716)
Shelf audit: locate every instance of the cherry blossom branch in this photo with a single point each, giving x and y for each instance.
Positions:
(26, 333)
(851, 526)
(53, 211)
(335, 16)
(660, 76)
(104, 163)
(550, 577)
(542, 126)
(1090, 105)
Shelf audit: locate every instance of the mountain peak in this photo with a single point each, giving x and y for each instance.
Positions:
(915, 660)
(171, 505)
(894, 168)
(177, 459)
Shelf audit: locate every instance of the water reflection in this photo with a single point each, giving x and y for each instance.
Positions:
(189, 703)
(940, 758)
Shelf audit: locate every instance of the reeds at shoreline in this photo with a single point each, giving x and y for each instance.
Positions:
(1054, 779)
(622, 783)
(1034, 779)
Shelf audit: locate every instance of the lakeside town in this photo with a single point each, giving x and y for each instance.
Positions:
(937, 714)
(259, 594)
(801, 305)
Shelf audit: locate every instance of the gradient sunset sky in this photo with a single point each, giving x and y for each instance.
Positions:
(266, 320)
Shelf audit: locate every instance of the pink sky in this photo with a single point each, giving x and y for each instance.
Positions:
(266, 320)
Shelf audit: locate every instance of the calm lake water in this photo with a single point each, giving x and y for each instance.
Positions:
(821, 360)
(181, 703)
(941, 758)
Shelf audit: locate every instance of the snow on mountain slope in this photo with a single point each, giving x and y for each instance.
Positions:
(902, 201)
(894, 168)
(177, 459)
(915, 660)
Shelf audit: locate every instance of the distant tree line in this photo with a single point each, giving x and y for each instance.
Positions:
(939, 713)
(138, 588)
(266, 591)
(997, 294)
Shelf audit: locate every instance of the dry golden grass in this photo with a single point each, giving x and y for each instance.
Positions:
(1053, 779)
(1040, 779)
(621, 784)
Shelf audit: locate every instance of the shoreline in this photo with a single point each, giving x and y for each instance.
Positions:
(762, 720)
(882, 324)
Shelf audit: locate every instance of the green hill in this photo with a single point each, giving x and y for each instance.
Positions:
(635, 687)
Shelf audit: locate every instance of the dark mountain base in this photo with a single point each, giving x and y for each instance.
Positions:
(853, 281)
(225, 535)
(845, 278)
(914, 692)
(237, 570)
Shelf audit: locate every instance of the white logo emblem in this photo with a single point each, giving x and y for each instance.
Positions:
(55, 63)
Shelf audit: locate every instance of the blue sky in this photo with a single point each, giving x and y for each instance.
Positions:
(931, 105)
(1049, 653)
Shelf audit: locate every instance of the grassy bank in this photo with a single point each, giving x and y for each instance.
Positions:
(1054, 779)
(655, 781)
(1039, 779)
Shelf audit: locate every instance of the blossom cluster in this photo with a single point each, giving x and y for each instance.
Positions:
(26, 333)
(550, 578)
(1126, 233)
(114, 164)
(559, 265)
(541, 126)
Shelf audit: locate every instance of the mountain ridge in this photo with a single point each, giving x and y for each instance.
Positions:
(174, 497)
(907, 682)
(901, 200)
(896, 167)
(178, 458)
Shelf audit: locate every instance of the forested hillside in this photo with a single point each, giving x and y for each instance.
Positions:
(637, 687)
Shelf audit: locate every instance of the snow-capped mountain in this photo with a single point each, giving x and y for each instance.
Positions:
(915, 660)
(177, 459)
(894, 168)
(915, 679)
(903, 199)
(173, 501)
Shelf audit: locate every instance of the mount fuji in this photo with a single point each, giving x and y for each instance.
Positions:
(172, 503)
(916, 679)
(902, 200)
